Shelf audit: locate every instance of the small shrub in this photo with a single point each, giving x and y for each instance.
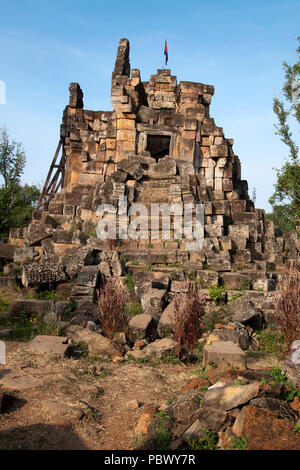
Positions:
(271, 341)
(73, 304)
(49, 329)
(215, 292)
(207, 441)
(174, 276)
(297, 428)
(199, 351)
(78, 350)
(174, 265)
(239, 444)
(26, 326)
(166, 332)
(129, 281)
(4, 306)
(212, 364)
(277, 376)
(46, 295)
(162, 435)
(238, 382)
(189, 310)
(201, 372)
(111, 300)
(170, 359)
(234, 297)
(133, 308)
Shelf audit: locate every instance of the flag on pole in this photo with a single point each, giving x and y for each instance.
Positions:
(166, 53)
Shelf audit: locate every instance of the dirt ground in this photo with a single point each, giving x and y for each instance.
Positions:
(100, 416)
(93, 397)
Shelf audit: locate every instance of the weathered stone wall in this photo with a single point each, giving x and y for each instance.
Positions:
(95, 141)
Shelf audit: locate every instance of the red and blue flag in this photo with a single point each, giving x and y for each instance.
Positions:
(166, 53)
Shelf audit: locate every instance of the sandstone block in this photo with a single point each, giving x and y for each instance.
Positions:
(160, 348)
(153, 302)
(208, 419)
(89, 276)
(265, 431)
(224, 353)
(165, 168)
(246, 313)
(49, 344)
(132, 167)
(97, 344)
(207, 278)
(140, 326)
(228, 396)
(235, 281)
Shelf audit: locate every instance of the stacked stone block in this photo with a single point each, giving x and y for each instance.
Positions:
(117, 153)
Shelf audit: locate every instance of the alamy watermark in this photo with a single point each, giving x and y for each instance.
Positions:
(2, 353)
(165, 221)
(2, 92)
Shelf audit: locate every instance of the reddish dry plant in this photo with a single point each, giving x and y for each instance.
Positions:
(287, 304)
(111, 301)
(189, 310)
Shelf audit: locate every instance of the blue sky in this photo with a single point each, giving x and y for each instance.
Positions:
(237, 46)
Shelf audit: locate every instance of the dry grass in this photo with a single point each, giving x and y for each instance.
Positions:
(287, 304)
(111, 301)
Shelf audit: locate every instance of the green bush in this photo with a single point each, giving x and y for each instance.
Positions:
(26, 326)
(239, 444)
(133, 308)
(162, 435)
(207, 441)
(129, 281)
(271, 341)
(46, 295)
(215, 292)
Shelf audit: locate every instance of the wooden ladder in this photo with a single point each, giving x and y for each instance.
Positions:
(55, 179)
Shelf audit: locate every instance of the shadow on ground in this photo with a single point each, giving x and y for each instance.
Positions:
(41, 437)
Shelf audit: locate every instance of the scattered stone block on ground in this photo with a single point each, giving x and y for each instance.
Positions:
(160, 348)
(140, 326)
(224, 354)
(98, 345)
(49, 344)
(228, 396)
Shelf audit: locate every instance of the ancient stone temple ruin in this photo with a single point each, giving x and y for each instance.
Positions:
(185, 303)
(158, 145)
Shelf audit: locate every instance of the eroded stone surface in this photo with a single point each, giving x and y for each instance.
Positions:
(229, 396)
(97, 344)
(224, 354)
(265, 431)
(49, 344)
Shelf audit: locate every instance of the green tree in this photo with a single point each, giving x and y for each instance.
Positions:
(16, 201)
(286, 198)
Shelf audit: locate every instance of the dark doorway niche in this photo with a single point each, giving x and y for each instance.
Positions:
(158, 145)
